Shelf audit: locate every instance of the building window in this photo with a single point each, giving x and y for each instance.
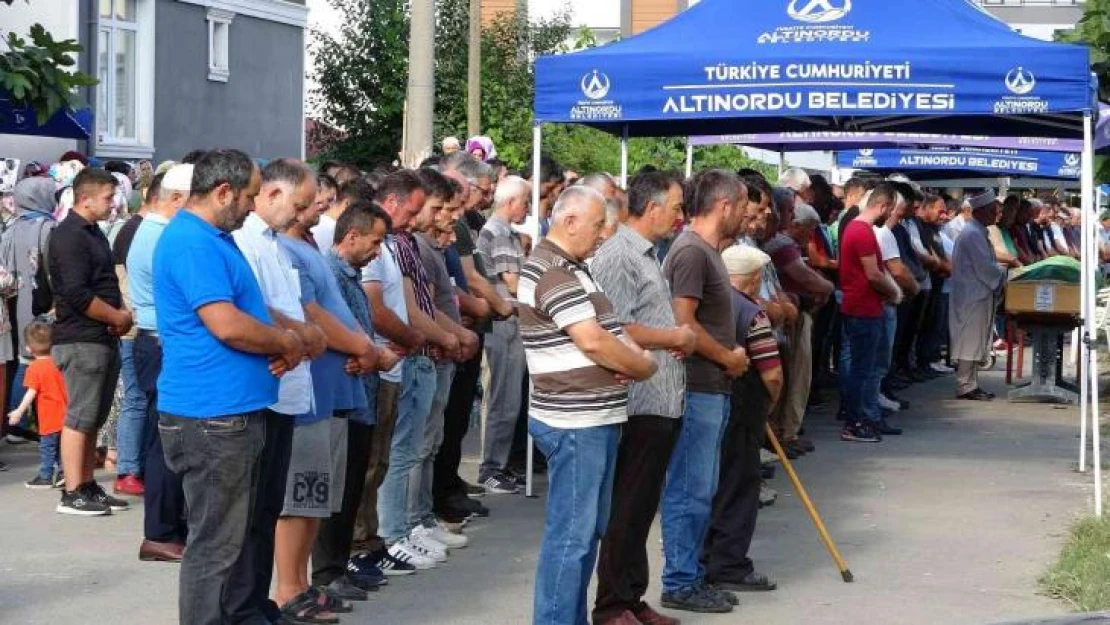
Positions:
(219, 43)
(125, 101)
(117, 32)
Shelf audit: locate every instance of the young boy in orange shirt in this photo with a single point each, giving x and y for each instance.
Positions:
(46, 388)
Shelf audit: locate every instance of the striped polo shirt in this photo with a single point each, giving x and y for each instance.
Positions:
(569, 390)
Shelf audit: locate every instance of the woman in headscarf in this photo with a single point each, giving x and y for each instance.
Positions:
(481, 148)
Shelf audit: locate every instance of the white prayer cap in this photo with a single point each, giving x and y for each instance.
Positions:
(178, 178)
(742, 260)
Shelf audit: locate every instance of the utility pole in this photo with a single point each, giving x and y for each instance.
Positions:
(420, 92)
(474, 71)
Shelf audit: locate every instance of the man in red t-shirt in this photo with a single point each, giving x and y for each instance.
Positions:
(866, 285)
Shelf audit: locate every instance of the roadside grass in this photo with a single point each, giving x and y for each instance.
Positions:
(1081, 576)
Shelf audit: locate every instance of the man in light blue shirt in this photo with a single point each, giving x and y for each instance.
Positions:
(164, 500)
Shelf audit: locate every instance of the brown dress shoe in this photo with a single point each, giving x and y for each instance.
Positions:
(625, 618)
(647, 616)
(151, 551)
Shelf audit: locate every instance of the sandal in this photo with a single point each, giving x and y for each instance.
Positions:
(305, 609)
(330, 602)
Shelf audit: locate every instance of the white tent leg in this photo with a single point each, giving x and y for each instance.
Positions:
(624, 157)
(689, 158)
(537, 137)
(1088, 264)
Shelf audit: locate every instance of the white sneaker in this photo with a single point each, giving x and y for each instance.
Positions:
(940, 367)
(406, 552)
(888, 404)
(427, 546)
(767, 457)
(439, 532)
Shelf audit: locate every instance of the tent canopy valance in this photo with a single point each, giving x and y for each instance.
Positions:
(935, 164)
(834, 140)
(65, 124)
(756, 66)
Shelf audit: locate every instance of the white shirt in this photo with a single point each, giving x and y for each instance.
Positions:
(281, 289)
(385, 271)
(324, 233)
(888, 245)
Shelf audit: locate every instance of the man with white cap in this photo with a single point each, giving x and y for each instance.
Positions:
(724, 554)
(164, 499)
(976, 281)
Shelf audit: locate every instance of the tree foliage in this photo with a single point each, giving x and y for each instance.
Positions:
(1093, 30)
(37, 73)
(361, 75)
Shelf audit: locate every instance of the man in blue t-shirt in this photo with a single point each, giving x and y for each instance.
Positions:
(222, 357)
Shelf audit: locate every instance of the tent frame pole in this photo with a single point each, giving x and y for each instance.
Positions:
(689, 158)
(782, 161)
(537, 137)
(1088, 265)
(624, 157)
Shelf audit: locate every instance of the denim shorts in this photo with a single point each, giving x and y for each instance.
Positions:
(91, 371)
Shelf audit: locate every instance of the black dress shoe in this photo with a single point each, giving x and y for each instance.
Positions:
(976, 395)
(886, 429)
(752, 582)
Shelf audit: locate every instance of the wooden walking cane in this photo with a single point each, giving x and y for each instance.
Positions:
(845, 574)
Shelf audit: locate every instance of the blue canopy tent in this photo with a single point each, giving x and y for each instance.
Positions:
(65, 124)
(834, 140)
(757, 66)
(936, 164)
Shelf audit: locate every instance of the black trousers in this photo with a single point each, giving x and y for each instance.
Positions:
(821, 339)
(642, 458)
(164, 500)
(333, 542)
(248, 591)
(909, 329)
(456, 423)
(724, 554)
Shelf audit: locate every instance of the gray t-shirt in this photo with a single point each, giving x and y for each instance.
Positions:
(445, 298)
(695, 270)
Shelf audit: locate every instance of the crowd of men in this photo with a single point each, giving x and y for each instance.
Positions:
(308, 345)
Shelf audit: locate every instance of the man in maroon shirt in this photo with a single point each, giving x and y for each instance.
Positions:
(866, 285)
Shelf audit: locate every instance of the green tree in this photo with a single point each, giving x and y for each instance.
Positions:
(38, 74)
(1093, 30)
(361, 77)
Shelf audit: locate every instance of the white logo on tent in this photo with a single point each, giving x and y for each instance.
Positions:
(818, 11)
(595, 85)
(1071, 160)
(866, 152)
(1019, 81)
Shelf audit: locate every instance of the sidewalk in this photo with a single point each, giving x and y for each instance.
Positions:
(950, 524)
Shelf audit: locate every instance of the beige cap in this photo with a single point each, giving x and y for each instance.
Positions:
(178, 178)
(742, 260)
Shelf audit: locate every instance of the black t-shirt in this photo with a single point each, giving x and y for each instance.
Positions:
(124, 238)
(81, 268)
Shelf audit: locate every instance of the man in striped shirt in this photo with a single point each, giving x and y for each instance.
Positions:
(627, 271)
(579, 361)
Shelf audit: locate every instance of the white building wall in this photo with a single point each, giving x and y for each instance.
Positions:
(59, 17)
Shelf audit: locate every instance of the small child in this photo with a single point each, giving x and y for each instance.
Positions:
(46, 388)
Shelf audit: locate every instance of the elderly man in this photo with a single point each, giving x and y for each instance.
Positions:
(578, 356)
(163, 500)
(627, 271)
(810, 290)
(503, 256)
(797, 180)
(701, 297)
(725, 552)
(976, 282)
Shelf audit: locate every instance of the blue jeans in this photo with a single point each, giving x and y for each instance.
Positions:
(17, 393)
(580, 467)
(131, 427)
(691, 483)
(864, 336)
(420, 480)
(48, 454)
(886, 342)
(418, 387)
